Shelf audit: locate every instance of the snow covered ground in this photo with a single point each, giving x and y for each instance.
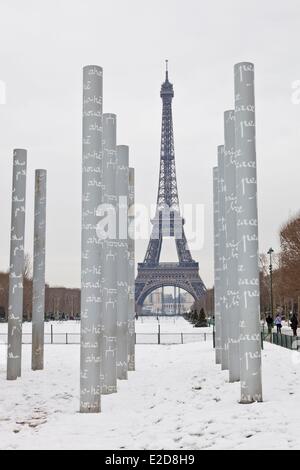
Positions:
(177, 399)
(172, 330)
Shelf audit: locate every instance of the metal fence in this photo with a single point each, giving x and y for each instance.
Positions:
(140, 338)
(172, 338)
(286, 341)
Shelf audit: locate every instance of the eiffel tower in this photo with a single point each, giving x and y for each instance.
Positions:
(167, 222)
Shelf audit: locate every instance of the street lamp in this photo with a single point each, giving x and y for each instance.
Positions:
(271, 279)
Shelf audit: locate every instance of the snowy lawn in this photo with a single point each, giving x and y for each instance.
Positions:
(142, 325)
(171, 329)
(177, 399)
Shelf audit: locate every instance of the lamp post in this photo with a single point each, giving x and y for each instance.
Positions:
(270, 252)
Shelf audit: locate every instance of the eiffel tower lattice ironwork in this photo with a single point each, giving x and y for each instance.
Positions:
(167, 222)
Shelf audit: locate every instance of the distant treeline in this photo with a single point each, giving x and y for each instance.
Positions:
(286, 271)
(286, 276)
(60, 302)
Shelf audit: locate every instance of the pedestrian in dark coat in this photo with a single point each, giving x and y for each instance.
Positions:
(294, 324)
(270, 323)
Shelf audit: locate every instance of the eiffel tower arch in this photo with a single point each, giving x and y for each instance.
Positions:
(167, 222)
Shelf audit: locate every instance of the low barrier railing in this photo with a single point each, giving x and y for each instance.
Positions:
(141, 338)
(286, 341)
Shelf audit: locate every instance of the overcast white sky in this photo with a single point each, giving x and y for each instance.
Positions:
(45, 44)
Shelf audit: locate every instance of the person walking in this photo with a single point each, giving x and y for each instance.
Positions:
(294, 324)
(278, 323)
(270, 323)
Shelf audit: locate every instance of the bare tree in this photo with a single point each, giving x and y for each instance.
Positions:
(4, 289)
(27, 273)
(290, 261)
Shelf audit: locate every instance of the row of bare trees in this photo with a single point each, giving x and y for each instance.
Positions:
(60, 302)
(286, 271)
(286, 276)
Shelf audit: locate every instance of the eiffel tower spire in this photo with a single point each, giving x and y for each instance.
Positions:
(167, 188)
(167, 221)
